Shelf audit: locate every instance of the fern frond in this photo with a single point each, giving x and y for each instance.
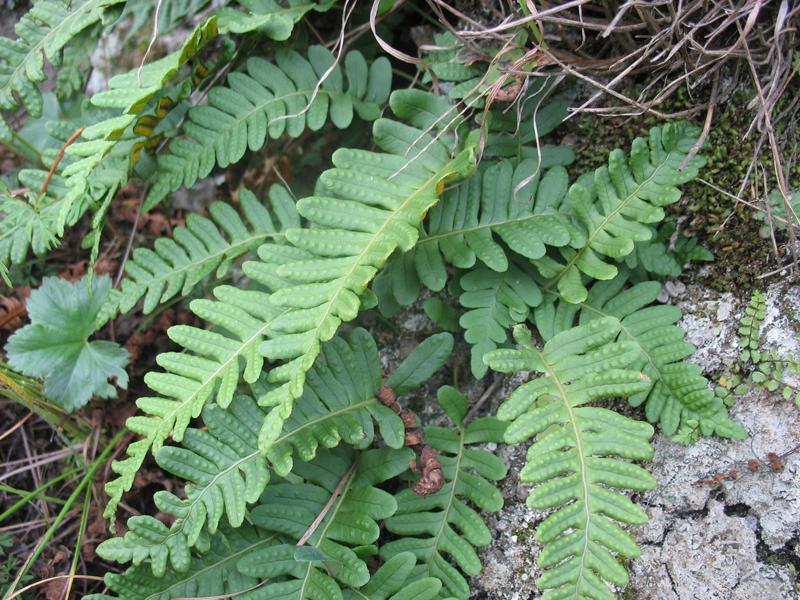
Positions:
(235, 560)
(578, 461)
(371, 205)
(201, 247)
(316, 283)
(678, 395)
(494, 302)
(392, 581)
(484, 219)
(442, 529)
(224, 473)
(95, 167)
(209, 369)
(210, 574)
(348, 480)
(43, 33)
(617, 204)
(112, 140)
(264, 101)
(225, 470)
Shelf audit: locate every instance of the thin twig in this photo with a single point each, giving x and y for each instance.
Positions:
(484, 397)
(706, 125)
(54, 166)
(326, 509)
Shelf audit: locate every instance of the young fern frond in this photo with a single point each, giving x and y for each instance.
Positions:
(616, 205)
(678, 396)
(43, 32)
(347, 479)
(442, 529)
(265, 101)
(203, 246)
(578, 461)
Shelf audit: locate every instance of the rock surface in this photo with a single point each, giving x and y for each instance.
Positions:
(735, 541)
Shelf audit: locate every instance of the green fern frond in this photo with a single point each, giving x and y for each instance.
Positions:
(201, 247)
(224, 473)
(289, 509)
(43, 33)
(224, 467)
(112, 140)
(369, 205)
(264, 101)
(617, 204)
(210, 574)
(263, 555)
(575, 461)
(442, 529)
(316, 282)
(750, 328)
(392, 581)
(494, 302)
(485, 219)
(95, 167)
(209, 369)
(678, 394)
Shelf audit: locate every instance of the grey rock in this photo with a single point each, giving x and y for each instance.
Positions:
(733, 542)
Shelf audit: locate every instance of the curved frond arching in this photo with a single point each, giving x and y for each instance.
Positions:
(265, 101)
(578, 461)
(369, 205)
(442, 529)
(616, 205)
(678, 395)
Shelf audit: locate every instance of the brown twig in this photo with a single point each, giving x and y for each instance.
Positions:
(326, 509)
(53, 168)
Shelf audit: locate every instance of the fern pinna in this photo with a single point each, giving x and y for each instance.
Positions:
(578, 461)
